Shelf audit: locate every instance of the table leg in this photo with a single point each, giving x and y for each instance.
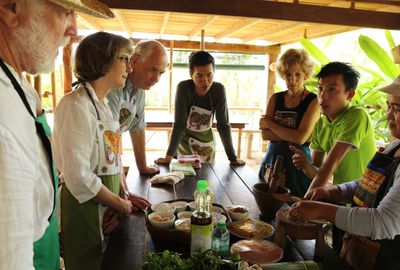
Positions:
(239, 142)
(280, 236)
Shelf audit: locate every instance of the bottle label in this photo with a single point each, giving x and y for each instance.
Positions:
(201, 237)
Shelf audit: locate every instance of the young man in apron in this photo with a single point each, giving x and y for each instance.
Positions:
(196, 102)
(27, 217)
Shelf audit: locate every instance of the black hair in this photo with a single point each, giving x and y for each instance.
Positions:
(200, 58)
(350, 75)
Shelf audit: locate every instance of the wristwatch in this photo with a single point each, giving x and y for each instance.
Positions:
(124, 193)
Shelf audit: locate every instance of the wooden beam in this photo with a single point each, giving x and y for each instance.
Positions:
(236, 28)
(270, 10)
(164, 23)
(271, 30)
(206, 22)
(89, 23)
(122, 21)
(381, 2)
(219, 47)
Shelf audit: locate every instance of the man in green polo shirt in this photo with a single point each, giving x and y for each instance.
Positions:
(343, 139)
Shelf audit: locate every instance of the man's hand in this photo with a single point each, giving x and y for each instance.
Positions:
(125, 206)
(110, 220)
(138, 203)
(317, 194)
(165, 160)
(237, 162)
(299, 158)
(152, 169)
(305, 210)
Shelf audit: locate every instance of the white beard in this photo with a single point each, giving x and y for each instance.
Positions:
(35, 46)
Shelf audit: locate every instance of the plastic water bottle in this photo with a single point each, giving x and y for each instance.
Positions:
(210, 196)
(201, 228)
(220, 238)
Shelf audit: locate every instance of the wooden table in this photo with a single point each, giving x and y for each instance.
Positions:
(130, 241)
(167, 122)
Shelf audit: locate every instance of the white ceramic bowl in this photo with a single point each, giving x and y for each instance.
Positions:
(237, 212)
(185, 214)
(163, 207)
(183, 224)
(162, 219)
(180, 206)
(216, 209)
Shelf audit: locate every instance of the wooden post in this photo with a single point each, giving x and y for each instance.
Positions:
(37, 84)
(271, 77)
(202, 47)
(28, 78)
(396, 54)
(53, 90)
(67, 55)
(171, 66)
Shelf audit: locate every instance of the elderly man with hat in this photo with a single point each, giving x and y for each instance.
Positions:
(373, 223)
(31, 31)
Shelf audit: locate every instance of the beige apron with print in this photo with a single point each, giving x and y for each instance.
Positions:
(82, 223)
(198, 137)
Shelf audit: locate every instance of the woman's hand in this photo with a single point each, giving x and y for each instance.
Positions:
(265, 122)
(125, 206)
(138, 203)
(237, 162)
(166, 160)
(317, 194)
(305, 210)
(110, 220)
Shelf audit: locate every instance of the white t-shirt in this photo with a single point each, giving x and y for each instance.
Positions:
(26, 192)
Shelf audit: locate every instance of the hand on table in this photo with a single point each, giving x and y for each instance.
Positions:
(110, 220)
(152, 169)
(299, 158)
(138, 203)
(237, 162)
(165, 160)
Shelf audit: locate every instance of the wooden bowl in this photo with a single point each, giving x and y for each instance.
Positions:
(267, 204)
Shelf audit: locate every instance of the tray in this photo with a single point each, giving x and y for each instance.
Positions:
(172, 236)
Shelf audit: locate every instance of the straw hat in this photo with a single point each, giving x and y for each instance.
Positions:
(90, 7)
(393, 88)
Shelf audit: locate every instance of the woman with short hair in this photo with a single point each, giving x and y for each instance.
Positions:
(86, 150)
(290, 119)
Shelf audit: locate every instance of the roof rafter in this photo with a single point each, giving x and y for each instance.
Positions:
(206, 22)
(270, 10)
(164, 23)
(122, 21)
(269, 31)
(237, 27)
(89, 23)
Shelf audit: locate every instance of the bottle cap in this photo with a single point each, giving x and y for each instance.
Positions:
(221, 224)
(202, 186)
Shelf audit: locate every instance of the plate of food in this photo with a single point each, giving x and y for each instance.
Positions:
(250, 228)
(257, 251)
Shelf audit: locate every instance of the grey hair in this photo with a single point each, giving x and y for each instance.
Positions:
(144, 48)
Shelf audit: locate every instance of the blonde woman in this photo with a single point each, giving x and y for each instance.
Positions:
(290, 119)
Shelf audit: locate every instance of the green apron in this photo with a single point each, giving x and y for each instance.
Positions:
(81, 223)
(46, 249)
(198, 137)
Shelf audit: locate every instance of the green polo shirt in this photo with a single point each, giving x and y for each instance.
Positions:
(352, 126)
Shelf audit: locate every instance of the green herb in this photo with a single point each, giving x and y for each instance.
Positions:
(207, 260)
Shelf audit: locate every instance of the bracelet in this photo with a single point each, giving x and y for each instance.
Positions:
(124, 193)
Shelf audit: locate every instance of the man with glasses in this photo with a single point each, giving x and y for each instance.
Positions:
(149, 61)
(343, 140)
(31, 31)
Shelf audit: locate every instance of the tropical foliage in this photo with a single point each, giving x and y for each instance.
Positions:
(371, 79)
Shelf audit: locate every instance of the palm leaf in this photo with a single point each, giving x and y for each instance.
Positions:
(314, 51)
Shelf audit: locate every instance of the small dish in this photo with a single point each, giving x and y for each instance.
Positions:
(183, 224)
(250, 228)
(163, 207)
(161, 219)
(192, 205)
(185, 214)
(216, 209)
(237, 212)
(180, 206)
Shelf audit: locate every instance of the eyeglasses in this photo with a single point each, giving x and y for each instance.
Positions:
(126, 59)
(393, 106)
